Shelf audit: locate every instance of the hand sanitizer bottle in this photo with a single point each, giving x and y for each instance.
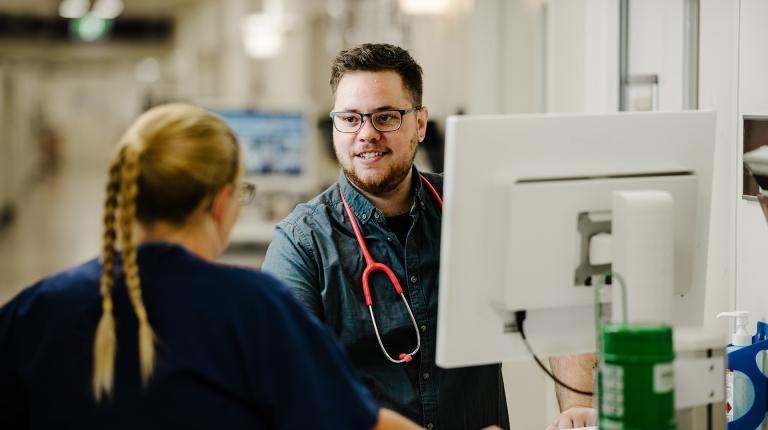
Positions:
(739, 391)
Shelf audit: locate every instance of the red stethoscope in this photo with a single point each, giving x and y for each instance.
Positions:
(372, 265)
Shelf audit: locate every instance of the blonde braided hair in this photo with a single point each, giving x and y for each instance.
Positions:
(170, 160)
(129, 189)
(105, 342)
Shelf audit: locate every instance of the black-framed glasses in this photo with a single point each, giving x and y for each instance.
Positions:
(384, 120)
(245, 192)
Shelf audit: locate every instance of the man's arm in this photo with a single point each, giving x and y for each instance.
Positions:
(289, 259)
(576, 409)
(576, 371)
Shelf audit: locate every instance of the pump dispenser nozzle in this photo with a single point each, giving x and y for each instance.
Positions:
(740, 336)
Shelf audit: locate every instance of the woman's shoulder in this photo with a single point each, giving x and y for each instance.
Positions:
(244, 276)
(245, 282)
(74, 285)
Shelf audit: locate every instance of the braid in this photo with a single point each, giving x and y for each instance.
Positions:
(105, 342)
(128, 193)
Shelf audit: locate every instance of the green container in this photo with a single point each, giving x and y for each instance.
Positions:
(636, 378)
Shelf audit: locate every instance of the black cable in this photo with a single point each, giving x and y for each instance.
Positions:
(709, 405)
(519, 319)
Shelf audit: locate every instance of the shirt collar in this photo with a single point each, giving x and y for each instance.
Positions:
(364, 210)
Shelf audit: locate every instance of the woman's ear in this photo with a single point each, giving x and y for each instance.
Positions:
(221, 202)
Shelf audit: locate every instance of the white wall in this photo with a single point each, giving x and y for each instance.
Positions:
(718, 91)
(445, 68)
(582, 54)
(288, 77)
(210, 65)
(90, 105)
(505, 67)
(86, 94)
(566, 56)
(198, 52)
(22, 114)
(656, 36)
(601, 55)
(752, 238)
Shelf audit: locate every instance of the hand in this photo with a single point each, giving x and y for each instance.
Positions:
(575, 418)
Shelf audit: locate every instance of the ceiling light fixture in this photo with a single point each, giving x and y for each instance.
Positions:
(73, 9)
(108, 9)
(262, 35)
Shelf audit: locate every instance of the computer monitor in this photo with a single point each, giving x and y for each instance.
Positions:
(280, 155)
(525, 194)
(279, 149)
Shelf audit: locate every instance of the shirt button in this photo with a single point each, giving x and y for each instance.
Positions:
(364, 216)
(425, 375)
(389, 238)
(422, 205)
(430, 426)
(413, 279)
(423, 328)
(376, 215)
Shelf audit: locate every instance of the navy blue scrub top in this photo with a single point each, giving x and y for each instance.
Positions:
(234, 350)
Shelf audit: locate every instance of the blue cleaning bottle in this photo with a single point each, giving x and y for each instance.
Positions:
(745, 383)
(760, 340)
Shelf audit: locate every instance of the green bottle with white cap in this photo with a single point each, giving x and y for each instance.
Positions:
(636, 375)
(637, 379)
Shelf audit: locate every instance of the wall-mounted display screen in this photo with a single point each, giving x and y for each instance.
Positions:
(274, 143)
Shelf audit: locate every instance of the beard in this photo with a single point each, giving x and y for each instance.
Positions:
(387, 181)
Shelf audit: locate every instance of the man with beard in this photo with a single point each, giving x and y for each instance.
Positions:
(383, 210)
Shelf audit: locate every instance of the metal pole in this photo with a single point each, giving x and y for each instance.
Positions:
(623, 52)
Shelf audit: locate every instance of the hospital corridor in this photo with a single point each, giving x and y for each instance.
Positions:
(56, 224)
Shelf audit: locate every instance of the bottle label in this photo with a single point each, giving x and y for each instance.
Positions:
(612, 394)
(729, 395)
(663, 378)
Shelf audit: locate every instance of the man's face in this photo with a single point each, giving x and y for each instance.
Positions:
(374, 161)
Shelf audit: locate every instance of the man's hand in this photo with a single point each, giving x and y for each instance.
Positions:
(575, 418)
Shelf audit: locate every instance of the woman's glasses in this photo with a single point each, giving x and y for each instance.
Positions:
(245, 192)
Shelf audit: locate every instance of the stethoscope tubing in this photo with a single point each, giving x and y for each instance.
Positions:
(372, 265)
(403, 358)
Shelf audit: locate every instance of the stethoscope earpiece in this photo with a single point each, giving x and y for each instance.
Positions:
(371, 266)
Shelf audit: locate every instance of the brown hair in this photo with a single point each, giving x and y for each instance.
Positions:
(172, 159)
(379, 57)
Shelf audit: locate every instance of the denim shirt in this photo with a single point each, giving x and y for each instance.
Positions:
(314, 251)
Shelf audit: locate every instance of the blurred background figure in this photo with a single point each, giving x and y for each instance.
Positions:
(757, 165)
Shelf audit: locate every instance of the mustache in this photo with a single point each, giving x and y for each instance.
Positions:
(369, 148)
